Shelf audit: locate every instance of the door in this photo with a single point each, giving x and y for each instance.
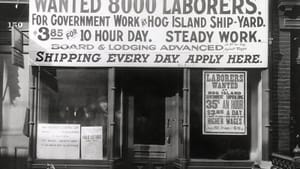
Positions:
(152, 106)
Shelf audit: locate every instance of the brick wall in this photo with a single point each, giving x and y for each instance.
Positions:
(280, 85)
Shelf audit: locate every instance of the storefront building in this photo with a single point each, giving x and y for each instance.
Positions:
(149, 85)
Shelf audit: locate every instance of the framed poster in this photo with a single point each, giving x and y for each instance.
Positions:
(224, 103)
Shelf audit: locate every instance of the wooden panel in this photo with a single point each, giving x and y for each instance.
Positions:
(5, 162)
(5, 42)
(72, 164)
(141, 166)
(219, 164)
(149, 154)
(21, 154)
(5, 38)
(149, 164)
(3, 151)
(145, 147)
(172, 135)
(159, 166)
(291, 22)
(130, 120)
(44, 166)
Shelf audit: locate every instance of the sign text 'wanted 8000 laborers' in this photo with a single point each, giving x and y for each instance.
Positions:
(155, 33)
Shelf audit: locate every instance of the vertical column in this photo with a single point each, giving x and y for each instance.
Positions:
(186, 116)
(255, 93)
(111, 107)
(34, 74)
(1, 89)
(3, 150)
(265, 115)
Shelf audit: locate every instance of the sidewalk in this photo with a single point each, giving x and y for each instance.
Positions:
(265, 165)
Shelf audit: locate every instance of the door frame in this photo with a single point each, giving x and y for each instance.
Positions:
(126, 87)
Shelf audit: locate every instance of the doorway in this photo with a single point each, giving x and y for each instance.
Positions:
(152, 100)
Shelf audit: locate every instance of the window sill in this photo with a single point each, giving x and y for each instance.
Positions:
(43, 163)
(215, 163)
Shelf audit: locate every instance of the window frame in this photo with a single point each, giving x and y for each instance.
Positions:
(34, 97)
(256, 114)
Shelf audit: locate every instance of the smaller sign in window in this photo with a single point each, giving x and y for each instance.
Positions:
(58, 141)
(225, 102)
(92, 143)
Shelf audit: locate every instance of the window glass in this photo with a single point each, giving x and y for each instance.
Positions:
(72, 113)
(214, 146)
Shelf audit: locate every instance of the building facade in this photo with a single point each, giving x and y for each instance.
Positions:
(284, 77)
(14, 87)
(153, 117)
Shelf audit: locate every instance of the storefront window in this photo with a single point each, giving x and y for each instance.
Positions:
(72, 114)
(225, 138)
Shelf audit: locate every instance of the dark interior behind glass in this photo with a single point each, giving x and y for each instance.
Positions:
(226, 147)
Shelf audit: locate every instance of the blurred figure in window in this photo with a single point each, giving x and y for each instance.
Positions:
(87, 116)
(64, 114)
(102, 103)
(102, 117)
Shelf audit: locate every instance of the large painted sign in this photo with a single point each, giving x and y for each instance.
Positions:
(58, 141)
(224, 103)
(151, 33)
